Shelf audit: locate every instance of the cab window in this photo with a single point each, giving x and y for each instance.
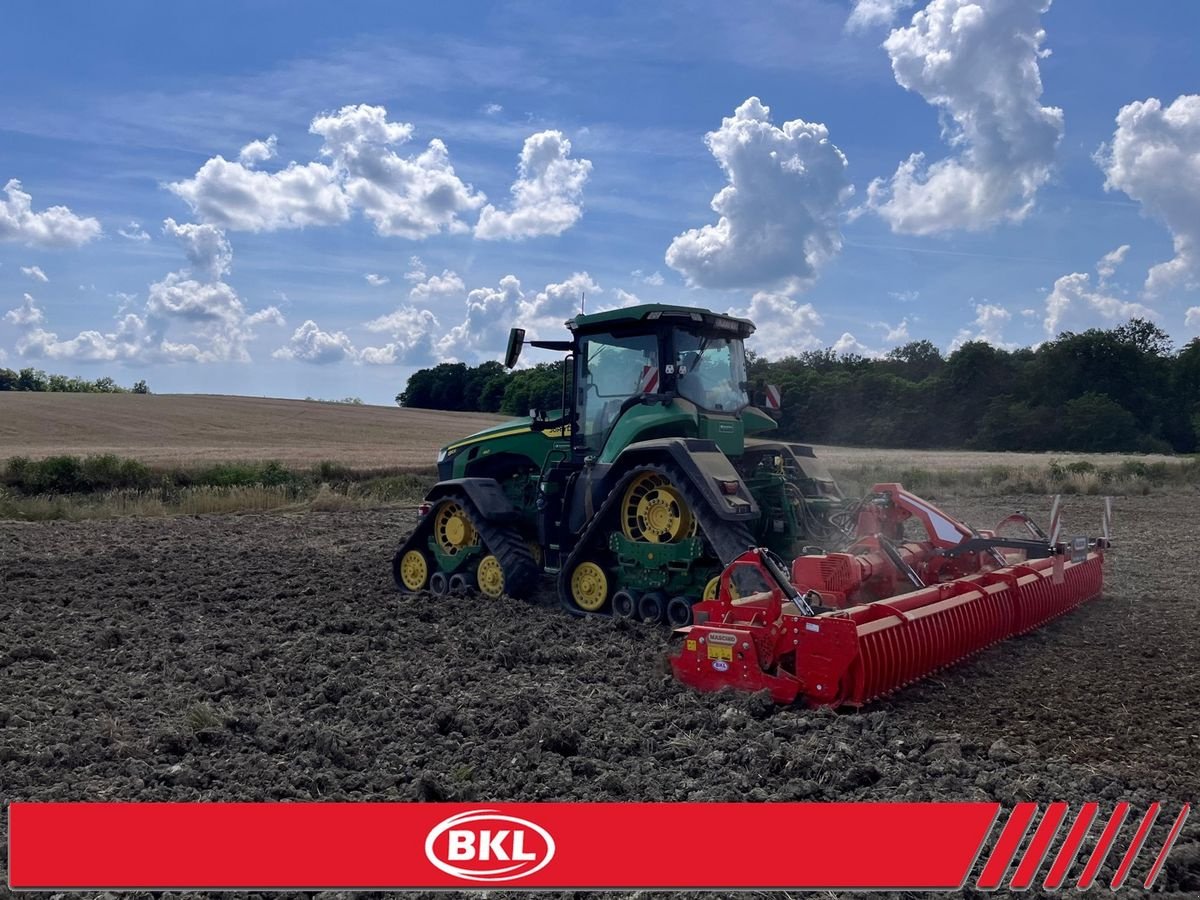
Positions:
(711, 371)
(613, 369)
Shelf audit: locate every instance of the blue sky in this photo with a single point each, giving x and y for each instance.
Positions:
(137, 113)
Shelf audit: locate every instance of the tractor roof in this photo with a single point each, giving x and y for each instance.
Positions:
(651, 312)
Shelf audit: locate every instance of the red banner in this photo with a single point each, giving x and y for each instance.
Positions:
(903, 846)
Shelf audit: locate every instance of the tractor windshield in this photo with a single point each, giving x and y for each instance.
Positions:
(613, 369)
(711, 371)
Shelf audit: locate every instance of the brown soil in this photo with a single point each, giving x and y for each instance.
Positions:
(267, 657)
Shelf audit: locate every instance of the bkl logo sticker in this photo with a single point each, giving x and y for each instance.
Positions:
(486, 845)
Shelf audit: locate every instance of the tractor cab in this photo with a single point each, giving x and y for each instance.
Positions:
(656, 371)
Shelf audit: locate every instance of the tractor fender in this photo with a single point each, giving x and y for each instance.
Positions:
(487, 495)
(705, 466)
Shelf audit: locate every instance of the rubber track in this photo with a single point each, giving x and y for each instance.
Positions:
(516, 560)
(520, 569)
(729, 539)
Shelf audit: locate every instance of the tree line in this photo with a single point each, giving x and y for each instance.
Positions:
(37, 380)
(1118, 389)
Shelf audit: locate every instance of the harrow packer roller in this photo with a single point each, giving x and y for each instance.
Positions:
(799, 638)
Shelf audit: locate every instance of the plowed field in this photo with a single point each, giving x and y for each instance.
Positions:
(265, 657)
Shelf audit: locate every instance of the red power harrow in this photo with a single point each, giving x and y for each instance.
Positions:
(846, 628)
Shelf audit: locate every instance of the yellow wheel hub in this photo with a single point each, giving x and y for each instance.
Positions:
(414, 570)
(589, 586)
(453, 530)
(653, 510)
(490, 576)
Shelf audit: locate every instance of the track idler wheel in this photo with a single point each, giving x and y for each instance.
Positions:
(652, 606)
(589, 586)
(489, 576)
(679, 612)
(410, 569)
(624, 605)
(439, 583)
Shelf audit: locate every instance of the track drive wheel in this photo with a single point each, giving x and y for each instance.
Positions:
(655, 511)
(453, 528)
(589, 586)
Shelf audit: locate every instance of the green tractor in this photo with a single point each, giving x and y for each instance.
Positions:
(638, 491)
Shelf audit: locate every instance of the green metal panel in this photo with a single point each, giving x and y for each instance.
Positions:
(755, 420)
(725, 431)
(648, 421)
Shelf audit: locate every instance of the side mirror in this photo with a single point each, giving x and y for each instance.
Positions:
(516, 339)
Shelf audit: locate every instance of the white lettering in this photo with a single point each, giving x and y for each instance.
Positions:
(462, 845)
(519, 853)
(490, 845)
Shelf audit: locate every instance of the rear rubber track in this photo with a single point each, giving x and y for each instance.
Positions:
(729, 540)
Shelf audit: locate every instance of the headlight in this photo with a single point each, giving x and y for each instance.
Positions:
(442, 455)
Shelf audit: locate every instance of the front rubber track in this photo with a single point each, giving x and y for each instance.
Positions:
(729, 540)
(516, 559)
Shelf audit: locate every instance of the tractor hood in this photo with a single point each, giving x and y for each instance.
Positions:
(515, 437)
(504, 429)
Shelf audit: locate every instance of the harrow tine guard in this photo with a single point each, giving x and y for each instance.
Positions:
(865, 650)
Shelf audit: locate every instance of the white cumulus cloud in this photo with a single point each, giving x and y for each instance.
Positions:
(989, 324)
(411, 197)
(1074, 293)
(189, 316)
(312, 345)
(547, 195)
(206, 248)
(976, 61)
(490, 312)
(235, 196)
(375, 280)
(258, 152)
(448, 283)
(1154, 158)
(1108, 264)
(869, 13)
(783, 326)
(133, 232)
(34, 273)
(849, 345)
(778, 215)
(26, 314)
(55, 226)
(1192, 317)
(413, 332)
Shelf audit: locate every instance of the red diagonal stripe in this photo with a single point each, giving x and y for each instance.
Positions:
(1066, 853)
(1039, 846)
(1010, 838)
(1167, 845)
(1135, 846)
(1096, 860)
